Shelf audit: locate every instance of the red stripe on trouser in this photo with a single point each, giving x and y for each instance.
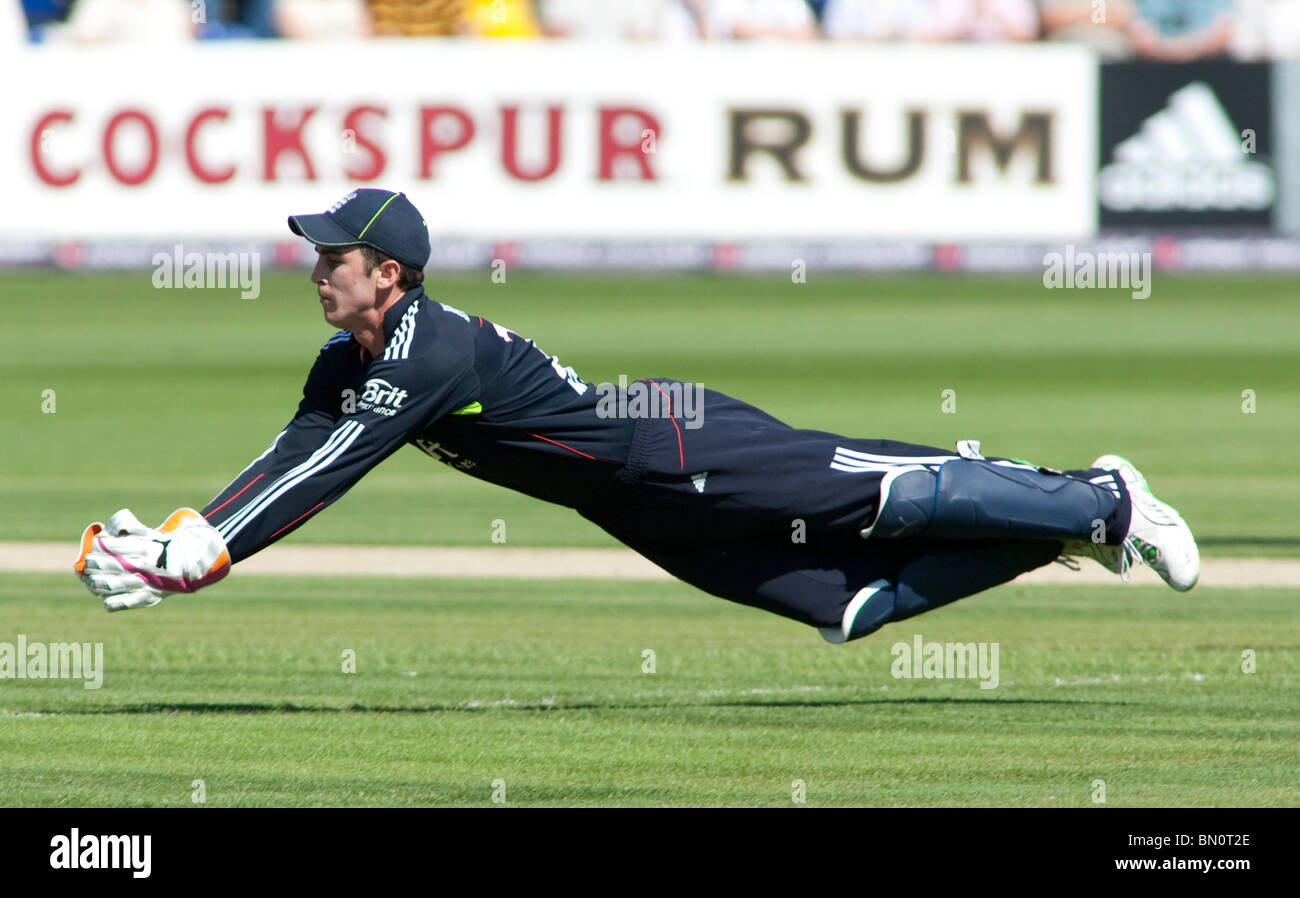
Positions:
(681, 456)
(562, 446)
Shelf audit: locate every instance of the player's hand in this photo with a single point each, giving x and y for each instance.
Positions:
(133, 566)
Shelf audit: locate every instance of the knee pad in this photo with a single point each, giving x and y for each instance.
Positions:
(907, 502)
(970, 499)
(869, 610)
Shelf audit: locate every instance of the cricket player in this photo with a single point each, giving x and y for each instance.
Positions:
(839, 533)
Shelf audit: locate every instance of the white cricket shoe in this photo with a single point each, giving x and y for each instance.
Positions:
(1157, 534)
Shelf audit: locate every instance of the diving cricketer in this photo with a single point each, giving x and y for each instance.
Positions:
(839, 533)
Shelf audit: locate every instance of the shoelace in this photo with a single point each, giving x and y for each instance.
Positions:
(1128, 556)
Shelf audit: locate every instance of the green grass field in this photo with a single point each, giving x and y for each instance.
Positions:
(462, 683)
(161, 396)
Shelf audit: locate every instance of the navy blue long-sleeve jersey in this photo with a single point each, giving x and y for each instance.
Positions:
(466, 391)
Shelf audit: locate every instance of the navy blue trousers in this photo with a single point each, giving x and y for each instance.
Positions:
(747, 508)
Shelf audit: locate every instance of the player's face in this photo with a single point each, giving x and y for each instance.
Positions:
(346, 291)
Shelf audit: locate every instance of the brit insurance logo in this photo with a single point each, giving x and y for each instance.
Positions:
(1188, 157)
(380, 397)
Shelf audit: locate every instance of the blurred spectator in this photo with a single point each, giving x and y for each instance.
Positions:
(932, 20)
(985, 20)
(333, 20)
(622, 20)
(745, 19)
(129, 21)
(235, 19)
(42, 13)
(1102, 24)
(416, 18)
(500, 18)
(1181, 30)
(879, 20)
(1268, 29)
(13, 24)
(1162, 30)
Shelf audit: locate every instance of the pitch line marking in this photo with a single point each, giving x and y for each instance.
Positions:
(501, 562)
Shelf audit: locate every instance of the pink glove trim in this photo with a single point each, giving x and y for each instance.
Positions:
(171, 584)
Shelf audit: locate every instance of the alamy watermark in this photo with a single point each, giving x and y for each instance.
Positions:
(196, 271)
(946, 661)
(1078, 270)
(93, 852)
(53, 661)
(651, 399)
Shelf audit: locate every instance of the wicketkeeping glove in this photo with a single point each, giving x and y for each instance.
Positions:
(133, 566)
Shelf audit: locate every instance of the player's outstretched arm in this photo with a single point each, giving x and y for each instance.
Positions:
(327, 447)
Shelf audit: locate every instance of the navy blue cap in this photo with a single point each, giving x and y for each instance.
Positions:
(380, 218)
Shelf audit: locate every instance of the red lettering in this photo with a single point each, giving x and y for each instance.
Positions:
(206, 175)
(130, 179)
(636, 145)
(509, 139)
(430, 146)
(58, 116)
(279, 139)
(352, 126)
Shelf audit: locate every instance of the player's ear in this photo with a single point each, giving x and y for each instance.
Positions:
(390, 272)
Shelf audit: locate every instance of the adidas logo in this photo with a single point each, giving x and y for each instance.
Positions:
(1107, 482)
(1188, 156)
(699, 479)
